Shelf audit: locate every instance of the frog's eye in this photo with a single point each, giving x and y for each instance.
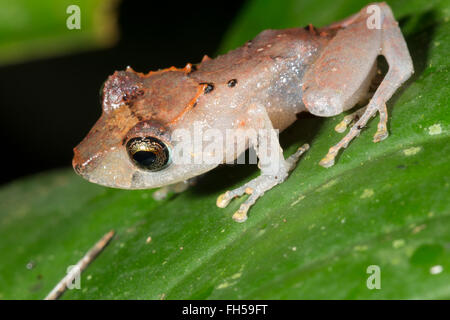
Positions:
(148, 153)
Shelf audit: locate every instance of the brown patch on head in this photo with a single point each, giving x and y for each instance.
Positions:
(135, 104)
(106, 134)
(129, 97)
(122, 88)
(167, 95)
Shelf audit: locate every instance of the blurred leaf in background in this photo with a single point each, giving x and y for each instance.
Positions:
(32, 29)
(314, 236)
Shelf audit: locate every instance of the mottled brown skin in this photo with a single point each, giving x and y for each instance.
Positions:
(154, 101)
(261, 85)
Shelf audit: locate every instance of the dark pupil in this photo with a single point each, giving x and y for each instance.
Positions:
(144, 158)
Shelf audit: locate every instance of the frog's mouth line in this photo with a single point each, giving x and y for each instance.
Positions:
(136, 178)
(81, 167)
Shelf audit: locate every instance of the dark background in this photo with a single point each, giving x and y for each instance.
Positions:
(49, 105)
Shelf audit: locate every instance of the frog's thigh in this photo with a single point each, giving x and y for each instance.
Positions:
(342, 74)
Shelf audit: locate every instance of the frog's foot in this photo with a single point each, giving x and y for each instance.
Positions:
(179, 187)
(258, 186)
(380, 135)
(382, 132)
(349, 119)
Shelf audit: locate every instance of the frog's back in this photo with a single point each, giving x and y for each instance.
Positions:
(269, 68)
(266, 46)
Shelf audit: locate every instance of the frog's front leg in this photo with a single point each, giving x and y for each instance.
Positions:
(274, 170)
(342, 74)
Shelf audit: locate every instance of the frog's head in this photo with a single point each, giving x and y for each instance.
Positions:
(131, 145)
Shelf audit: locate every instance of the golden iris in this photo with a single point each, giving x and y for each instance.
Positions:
(148, 153)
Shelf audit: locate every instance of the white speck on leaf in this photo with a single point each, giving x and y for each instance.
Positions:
(436, 269)
(300, 198)
(412, 151)
(398, 243)
(361, 248)
(261, 232)
(419, 228)
(225, 285)
(434, 129)
(327, 185)
(367, 193)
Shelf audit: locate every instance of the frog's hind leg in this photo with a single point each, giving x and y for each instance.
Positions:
(334, 82)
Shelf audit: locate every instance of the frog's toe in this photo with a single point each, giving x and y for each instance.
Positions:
(292, 160)
(161, 193)
(223, 200)
(380, 135)
(341, 127)
(348, 120)
(241, 214)
(328, 160)
(382, 132)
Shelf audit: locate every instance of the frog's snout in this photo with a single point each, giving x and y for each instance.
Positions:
(77, 166)
(80, 164)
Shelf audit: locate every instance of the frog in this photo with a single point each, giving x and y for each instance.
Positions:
(260, 86)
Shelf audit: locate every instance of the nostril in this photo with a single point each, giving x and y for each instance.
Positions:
(77, 168)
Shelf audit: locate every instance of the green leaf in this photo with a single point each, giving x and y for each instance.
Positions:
(32, 29)
(314, 236)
